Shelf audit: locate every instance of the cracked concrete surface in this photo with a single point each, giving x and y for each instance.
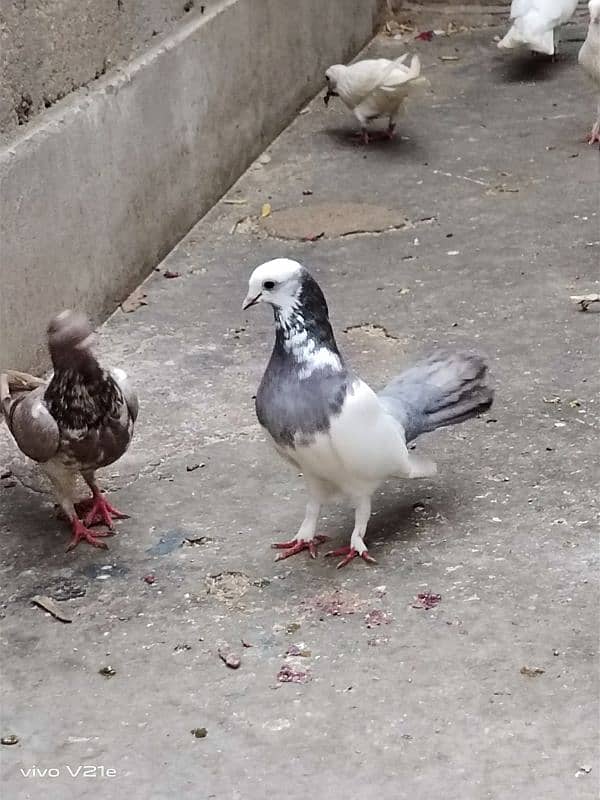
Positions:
(346, 689)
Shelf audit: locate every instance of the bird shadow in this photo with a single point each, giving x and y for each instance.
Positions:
(379, 142)
(527, 67)
(401, 520)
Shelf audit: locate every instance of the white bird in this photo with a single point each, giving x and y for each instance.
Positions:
(322, 418)
(589, 58)
(536, 24)
(375, 88)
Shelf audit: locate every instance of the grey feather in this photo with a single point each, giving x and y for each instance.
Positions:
(31, 424)
(443, 389)
(292, 410)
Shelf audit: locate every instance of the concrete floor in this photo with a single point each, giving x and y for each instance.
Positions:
(502, 198)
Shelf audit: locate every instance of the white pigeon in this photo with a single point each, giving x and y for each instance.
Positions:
(589, 58)
(536, 24)
(345, 438)
(374, 88)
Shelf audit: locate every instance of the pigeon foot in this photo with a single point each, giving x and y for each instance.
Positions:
(80, 532)
(99, 511)
(594, 136)
(295, 546)
(350, 554)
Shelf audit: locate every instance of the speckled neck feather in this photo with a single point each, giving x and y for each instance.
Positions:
(82, 395)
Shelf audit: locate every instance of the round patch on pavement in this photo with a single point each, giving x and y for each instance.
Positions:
(330, 220)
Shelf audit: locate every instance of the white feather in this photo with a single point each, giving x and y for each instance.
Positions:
(589, 58)
(374, 87)
(536, 24)
(363, 446)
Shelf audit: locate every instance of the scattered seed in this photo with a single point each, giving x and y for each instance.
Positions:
(107, 671)
(377, 617)
(288, 674)
(532, 672)
(427, 600)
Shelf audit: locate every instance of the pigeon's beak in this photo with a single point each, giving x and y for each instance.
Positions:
(251, 301)
(328, 95)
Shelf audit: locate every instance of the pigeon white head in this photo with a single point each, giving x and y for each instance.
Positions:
(276, 282)
(333, 76)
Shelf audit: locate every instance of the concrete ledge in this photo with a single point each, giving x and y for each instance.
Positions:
(95, 194)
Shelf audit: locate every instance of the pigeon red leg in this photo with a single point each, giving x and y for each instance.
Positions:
(357, 546)
(99, 510)
(350, 554)
(295, 546)
(82, 533)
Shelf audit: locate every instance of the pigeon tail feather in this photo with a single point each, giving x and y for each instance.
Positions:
(444, 389)
(530, 31)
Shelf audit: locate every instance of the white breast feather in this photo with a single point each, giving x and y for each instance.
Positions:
(362, 448)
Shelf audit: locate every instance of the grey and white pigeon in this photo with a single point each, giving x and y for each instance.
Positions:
(589, 58)
(536, 24)
(374, 88)
(82, 420)
(345, 438)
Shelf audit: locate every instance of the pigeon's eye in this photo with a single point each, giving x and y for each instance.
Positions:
(269, 285)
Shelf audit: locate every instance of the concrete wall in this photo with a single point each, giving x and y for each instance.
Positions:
(48, 48)
(96, 190)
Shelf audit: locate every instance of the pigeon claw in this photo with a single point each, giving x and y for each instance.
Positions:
(350, 554)
(99, 511)
(81, 532)
(295, 546)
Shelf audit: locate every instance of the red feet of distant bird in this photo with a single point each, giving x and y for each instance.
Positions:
(350, 553)
(82, 533)
(594, 136)
(99, 511)
(295, 546)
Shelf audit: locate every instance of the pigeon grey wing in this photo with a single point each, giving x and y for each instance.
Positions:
(444, 389)
(294, 411)
(33, 427)
(121, 379)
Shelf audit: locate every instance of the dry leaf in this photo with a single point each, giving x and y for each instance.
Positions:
(232, 660)
(49, 605)
(265, 210)
(136, 299)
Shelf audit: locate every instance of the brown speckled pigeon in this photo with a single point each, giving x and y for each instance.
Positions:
(345, 438)
(81, 421)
